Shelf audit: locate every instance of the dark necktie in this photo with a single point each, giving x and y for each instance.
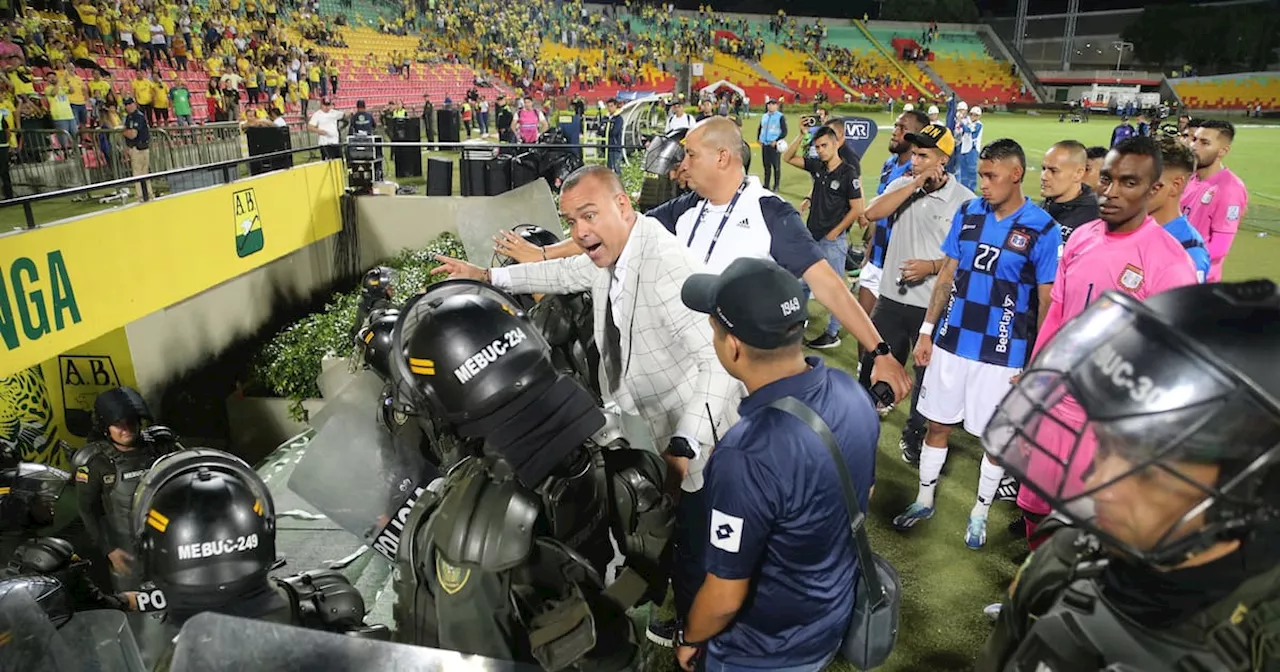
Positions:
(612, 348)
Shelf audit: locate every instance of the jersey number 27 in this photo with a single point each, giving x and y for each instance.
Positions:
(985, 259)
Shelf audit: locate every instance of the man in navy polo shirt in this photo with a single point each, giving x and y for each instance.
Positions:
(780, 565)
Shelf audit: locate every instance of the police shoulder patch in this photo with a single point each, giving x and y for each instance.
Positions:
(452, 579)
(82, 474)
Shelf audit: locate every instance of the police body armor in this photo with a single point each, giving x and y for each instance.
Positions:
(1080, 630)
(490, 567)
(130, 467)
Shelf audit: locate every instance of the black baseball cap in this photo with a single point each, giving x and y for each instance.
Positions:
(128, 100)
(756, 300)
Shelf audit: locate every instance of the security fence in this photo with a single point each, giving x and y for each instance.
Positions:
(45, 160)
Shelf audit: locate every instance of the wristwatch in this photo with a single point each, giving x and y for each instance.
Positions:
(678, 446)
(882, 349)
(681, 641)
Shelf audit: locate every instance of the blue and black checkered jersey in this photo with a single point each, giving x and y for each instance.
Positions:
(991, 316)
(1192, 242)
(880, 241)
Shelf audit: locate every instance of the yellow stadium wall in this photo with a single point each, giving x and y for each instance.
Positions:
(139, 295)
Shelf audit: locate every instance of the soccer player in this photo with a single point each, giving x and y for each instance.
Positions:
(878, 230)
(991, 294)
(1165, 205)
(1126, 251)
(1067, 198)
(1094, 166)
(1215, 199)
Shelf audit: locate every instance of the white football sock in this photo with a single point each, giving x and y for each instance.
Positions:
(988, 482)
(931, 460)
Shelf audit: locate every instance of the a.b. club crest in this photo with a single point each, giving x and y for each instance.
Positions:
(248, 222)
(1018, 241)
(83, 378)
(1131, 278)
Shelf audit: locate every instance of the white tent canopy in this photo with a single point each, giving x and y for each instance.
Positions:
(712, 88)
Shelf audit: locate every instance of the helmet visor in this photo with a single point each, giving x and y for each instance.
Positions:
(1133, 434)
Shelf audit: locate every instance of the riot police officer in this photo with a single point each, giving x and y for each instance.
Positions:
(543, 491)
(205, 529)
(108, 470)
(1169, 481)
(376, 289)
(28, 496)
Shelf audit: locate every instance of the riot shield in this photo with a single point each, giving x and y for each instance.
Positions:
(361, 393)
(215, 643)
(28, 640)
(354, 473)
(101, 640)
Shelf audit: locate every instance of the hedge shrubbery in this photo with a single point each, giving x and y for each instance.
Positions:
(289, 363)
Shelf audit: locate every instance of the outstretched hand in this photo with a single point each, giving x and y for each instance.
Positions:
(457, 268)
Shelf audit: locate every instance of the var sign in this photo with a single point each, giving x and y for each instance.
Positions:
(859, 133)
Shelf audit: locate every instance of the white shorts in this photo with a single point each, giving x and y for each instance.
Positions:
(869, 278)
(957, 389)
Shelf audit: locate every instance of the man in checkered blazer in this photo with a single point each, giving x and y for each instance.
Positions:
(660, 363)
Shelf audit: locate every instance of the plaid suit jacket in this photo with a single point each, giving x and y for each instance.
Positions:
(670, 373)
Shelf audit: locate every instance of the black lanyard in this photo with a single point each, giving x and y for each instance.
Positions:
(725, 220)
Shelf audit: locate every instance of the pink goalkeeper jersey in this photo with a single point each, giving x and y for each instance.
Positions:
(1141, 263)
(1214, 207)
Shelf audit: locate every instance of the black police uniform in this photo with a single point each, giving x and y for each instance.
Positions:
(506, 556)
(377, 288)
(503, 117)
(1091, 599)
(362, 122)
(106, 476)
(204, 527)
(28, 496)
(55, 559)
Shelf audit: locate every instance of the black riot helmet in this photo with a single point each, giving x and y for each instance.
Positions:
(374, 341)
(28, 495)
(42, 555)
(204, 527)
(119, 404)
(467, 349)
(665, 152)
(48, 593)
(468, 355)
(1172, 401)
(531, 233)
(377, 282)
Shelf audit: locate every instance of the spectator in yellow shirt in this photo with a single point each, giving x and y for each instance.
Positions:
(124, 27)
(59, 100)
(132, 58)
(271, 80)
(213, 65)
(104, 29)
(75, 93)
(160, 99)
(98, 87)
(89, 17)
(304, 95)
(143, 94)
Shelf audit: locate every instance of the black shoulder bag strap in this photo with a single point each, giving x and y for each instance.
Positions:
(857, 520)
